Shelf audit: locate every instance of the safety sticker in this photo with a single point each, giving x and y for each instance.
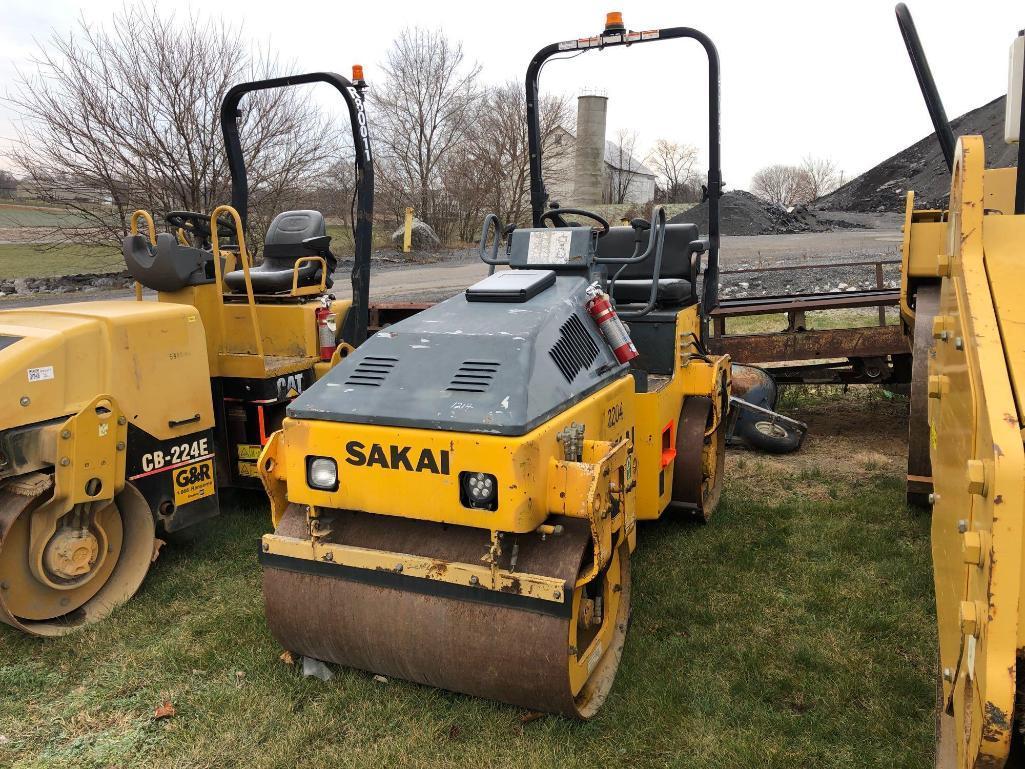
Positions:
(40, 374)
(193, 482)
(549, 247)
(568, 45)
(651, 34)
(248, 470)
(250, 451)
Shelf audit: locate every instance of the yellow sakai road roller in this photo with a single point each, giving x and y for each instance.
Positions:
(456, 503)
(963, 303)
(120, 420)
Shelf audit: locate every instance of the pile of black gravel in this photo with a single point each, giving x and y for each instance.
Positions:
(921, 168)
(741, 213)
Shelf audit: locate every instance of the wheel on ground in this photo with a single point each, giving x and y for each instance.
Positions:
(772, 437)
(95, 560)
(700, 456)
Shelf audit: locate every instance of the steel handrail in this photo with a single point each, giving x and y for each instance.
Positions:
(244, 259)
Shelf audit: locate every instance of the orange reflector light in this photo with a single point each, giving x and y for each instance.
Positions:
(614, 21)
(357, 72)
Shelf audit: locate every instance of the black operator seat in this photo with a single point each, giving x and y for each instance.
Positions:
(680, 267)
(291, 236)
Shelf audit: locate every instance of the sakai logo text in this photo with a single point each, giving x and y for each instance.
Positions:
(397, 458)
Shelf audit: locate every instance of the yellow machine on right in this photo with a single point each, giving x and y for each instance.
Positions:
(962, 302)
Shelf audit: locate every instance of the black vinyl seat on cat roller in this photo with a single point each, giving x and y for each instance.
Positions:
(680, 266)
(291, 236)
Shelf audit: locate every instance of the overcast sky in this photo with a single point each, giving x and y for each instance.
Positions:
(818, 77)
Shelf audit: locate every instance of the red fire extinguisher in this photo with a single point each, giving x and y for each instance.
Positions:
(325, 334)
(599, 307)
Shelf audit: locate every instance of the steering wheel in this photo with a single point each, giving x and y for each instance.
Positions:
(557, 218)
(197, 224)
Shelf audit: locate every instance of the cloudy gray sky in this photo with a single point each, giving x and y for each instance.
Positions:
(798, 77)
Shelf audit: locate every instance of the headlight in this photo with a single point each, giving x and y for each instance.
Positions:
(478, 490)
(322, 473)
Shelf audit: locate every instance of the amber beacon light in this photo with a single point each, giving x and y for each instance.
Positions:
(614, 22)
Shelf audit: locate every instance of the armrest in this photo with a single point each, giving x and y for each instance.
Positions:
(317, 243)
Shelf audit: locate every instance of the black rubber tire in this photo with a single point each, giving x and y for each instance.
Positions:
(781, 439)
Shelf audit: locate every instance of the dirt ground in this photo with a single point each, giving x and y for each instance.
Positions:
(856, 438)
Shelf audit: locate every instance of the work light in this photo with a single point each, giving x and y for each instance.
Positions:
(478, 490)
(322, 473)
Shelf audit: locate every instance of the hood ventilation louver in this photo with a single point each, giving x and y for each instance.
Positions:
(371, 371)
(474, 376)
(575, 351)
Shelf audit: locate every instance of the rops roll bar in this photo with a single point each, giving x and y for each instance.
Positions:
(364, 197)
(944, 135)
(617, 37)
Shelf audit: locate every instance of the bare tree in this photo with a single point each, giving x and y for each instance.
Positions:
(423, 108)
(823, 175)
(130, 111)
(622, 174)
(674, 165)
(783, 185)
(8, 184)
(491, 172)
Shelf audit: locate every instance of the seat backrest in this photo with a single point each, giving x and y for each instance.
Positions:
(619, 244)
(285, 236)
(169, 266)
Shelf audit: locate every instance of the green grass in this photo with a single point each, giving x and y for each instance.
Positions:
(819, 320)
(788, 632)
(38, 261)
(34, 214)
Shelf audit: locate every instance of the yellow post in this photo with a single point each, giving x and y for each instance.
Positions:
(407, 237)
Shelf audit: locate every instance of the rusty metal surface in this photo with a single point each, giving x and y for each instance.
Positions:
(482, 649)
(806, 302)
(919, 483)
(862, 342)
(12, 505)
(688, 469)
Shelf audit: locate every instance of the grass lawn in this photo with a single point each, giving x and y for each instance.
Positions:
(19, 260)
(29, 214)
(795, 630)
(818, 320)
